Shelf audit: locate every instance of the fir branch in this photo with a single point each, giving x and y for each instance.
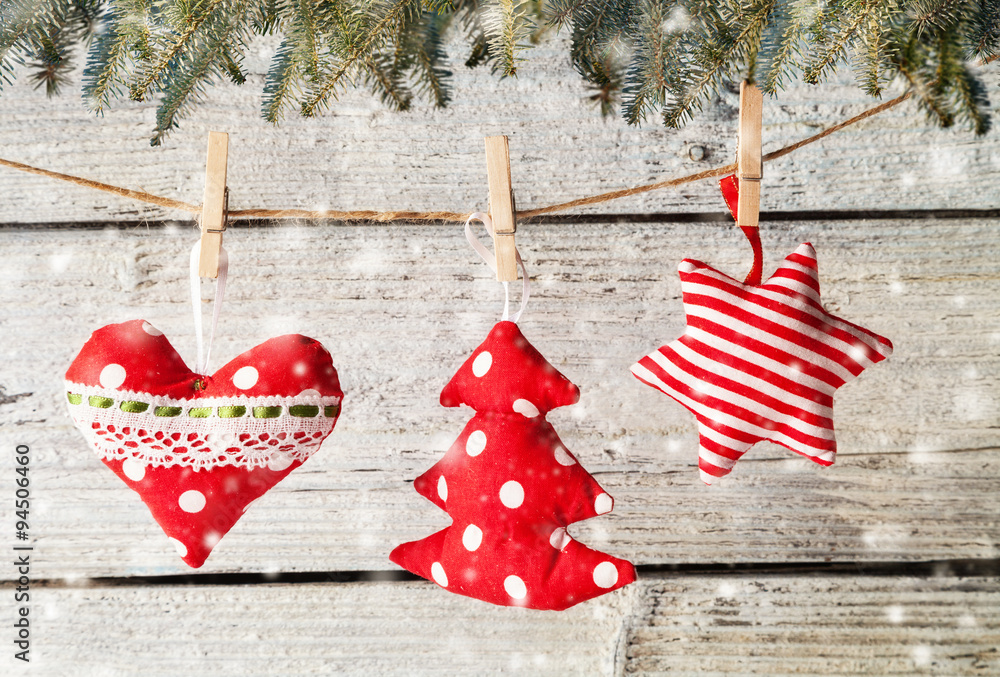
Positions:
(304, 31)
(560, 13)
(906, 56)
(506, 26)
(717, 52)
(606, 80)
(984, 27)
(266, 21)
(782, 42)
(232, 66)
(296, 58)
(860, 14)
(869, 60)
(280, 84)
(376, 36)
(140, 89)
(386, 81)
(935, 15)
(430, 57)
(124, 37)
(44, 31)
(183, 85)
(600, 47)
(647, 80)
(20, 21)
(967, 94)
(651, 55)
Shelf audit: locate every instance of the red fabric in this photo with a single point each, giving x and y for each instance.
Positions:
(760, 362)
(730, 186)
(286, 366)
(512, 488)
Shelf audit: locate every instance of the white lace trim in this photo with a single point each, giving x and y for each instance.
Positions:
(244, 441)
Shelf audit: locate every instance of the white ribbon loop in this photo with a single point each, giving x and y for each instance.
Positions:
(220, 292)
(490, 260)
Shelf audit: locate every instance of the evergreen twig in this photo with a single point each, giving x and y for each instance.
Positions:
(640, 57)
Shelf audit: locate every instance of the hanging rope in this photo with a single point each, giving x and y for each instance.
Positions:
(390, 216)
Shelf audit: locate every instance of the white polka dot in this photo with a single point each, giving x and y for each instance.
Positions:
(512, 494)
(300, 369)
(603, 504)
(151, 330)
(472, 537)
(559, 539)
(309, 392)
(563, 457)
(605, 575)
(279, 461)
(191, 501)
(245, 377)
(442, 488)
(476, 443)
(133, 469)
(525, 408)
(440, 577)
(515, 587)
(179, 547)
(112, 376)
(212, 539)
(482, 363)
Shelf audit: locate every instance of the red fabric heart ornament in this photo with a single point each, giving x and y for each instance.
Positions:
(200, 449)
(512, 488)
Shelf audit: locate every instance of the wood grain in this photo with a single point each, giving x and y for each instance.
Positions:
(213, 210)
(749, 168)
(788, 625)
(362, 156)
(502, 210)
(402, 307)
(704, 625)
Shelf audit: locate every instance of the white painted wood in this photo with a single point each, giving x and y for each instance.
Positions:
(401, 308)
(787, 625)
(362, 156)
(688, 625)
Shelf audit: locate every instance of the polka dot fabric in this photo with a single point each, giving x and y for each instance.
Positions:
(200, 449)
(512, 488)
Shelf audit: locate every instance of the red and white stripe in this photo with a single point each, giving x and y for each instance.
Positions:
(760, 362)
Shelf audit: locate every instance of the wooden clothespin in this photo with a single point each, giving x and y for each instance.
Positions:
(749, 165)
(215, 206)
(503, 213)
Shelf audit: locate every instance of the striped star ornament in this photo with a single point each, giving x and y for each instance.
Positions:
(760, 362)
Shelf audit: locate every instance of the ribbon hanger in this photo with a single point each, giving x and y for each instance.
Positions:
(501, 224)
(220, 292)
(490, 260)
(742, 190)
(208, 258)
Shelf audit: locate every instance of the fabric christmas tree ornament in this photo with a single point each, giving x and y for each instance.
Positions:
(200, 449)
(512, 488)
(760, 361)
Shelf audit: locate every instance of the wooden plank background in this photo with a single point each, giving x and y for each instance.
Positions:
(400, 307)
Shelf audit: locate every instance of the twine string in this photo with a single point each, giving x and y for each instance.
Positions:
(450, 217)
